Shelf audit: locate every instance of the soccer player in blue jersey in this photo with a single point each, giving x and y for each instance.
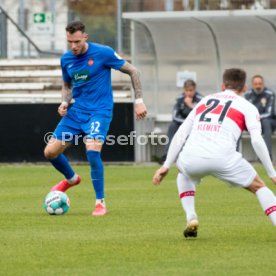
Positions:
(86, 73)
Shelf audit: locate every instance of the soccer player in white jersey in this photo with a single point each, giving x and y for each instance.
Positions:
(205, 144)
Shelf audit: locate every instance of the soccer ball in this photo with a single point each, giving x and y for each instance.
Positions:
(56, 203)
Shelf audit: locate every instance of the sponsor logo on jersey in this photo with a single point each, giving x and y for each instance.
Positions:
(81, 76)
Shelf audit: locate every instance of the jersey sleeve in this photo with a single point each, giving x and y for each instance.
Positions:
(252, 118)
(179, 139)
(253, 124)
(261, 150)
(65, 76)
(113, 60)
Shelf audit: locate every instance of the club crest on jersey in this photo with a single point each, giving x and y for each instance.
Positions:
(90, 62)
(81, 76)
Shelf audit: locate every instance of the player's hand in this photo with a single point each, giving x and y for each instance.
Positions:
(140, 110)
(159, 175)
(62, 109)
(273, 179)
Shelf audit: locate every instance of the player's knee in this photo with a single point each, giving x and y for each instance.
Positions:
(256, 184)
(49, 153)
(94, 144)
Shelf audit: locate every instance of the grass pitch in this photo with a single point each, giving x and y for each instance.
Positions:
(141, 235)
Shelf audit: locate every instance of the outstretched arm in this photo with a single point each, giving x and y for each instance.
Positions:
(66, 97)
(140, 108)
(176, 146)
(261, 150)
(252, 121)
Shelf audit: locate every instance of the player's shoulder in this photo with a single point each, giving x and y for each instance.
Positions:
(244, 101)
(66, 58)
(104, 51)
(209, 96)
(246, 106)
(239, 102)
(100, 47)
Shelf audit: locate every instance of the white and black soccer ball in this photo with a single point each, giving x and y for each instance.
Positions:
(56, 203)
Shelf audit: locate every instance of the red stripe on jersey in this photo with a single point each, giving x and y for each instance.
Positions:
(233, 114)
(236, 116)
(200, 109)
(188, 193)
(270, 210)
(217, 110)
(203, 107)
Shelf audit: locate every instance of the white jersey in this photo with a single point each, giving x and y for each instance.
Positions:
(213, 128)
(217, 123)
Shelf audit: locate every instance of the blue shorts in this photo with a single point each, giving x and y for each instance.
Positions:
(78, 124)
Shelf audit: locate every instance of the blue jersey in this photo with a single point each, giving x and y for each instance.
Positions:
(90, 76)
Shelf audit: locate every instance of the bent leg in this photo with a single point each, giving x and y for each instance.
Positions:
(239, 172)
(96, 130)
(54, 153)
(93, 153)
(186, 190)
(265, 196)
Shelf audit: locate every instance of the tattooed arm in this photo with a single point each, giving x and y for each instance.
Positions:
(66, 97)
(140, 108)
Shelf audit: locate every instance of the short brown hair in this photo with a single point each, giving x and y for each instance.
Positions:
(75, 26)
(257, 76)
(234, 78)
(189, 83)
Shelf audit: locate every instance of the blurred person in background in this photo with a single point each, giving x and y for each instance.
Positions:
(264, 100)
(183, 106)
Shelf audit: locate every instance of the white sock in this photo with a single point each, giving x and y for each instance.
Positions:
(186, 190)
(73, 179)
(268, 203)
(100, 201)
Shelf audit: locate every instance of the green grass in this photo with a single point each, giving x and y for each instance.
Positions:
(141, 235)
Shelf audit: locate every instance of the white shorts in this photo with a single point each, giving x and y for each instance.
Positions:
(233, 169)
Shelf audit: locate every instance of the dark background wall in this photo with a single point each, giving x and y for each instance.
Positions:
(23, 126)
